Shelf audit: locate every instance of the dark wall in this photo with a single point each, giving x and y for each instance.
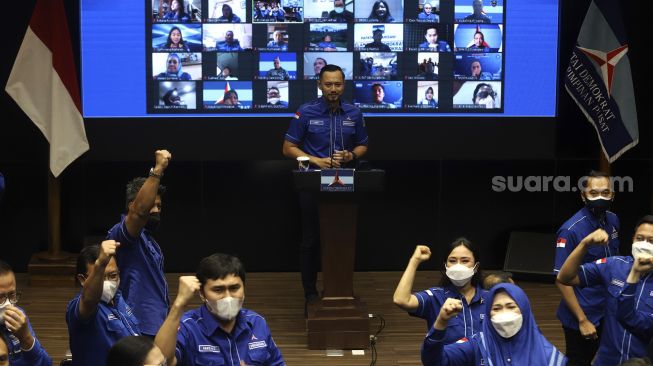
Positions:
(230, 188)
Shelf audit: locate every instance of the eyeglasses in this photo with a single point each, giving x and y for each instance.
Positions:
(12, 296)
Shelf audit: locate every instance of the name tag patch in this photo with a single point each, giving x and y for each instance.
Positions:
(208, 348)
(316, 122)
(617, 282)
(259, 344)
(349, 123)
(111, 317)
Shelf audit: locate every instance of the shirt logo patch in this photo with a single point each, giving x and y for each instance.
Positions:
(651, 294)
(259, 344)
(429, 292)
(297, 115)
(254, 338)
(111, 317)
(561, 243)
(462, 340)
(481, 316)
(316, 122)
(617, 282)
(614, 234)
(601, 261)
(208, 348)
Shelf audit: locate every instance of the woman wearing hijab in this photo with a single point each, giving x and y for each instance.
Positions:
(509, 336)
(173, 69)
(462, 281)
(381, 12)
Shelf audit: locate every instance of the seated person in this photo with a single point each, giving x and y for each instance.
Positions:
(220, 323)
(174, 70)
(484, 96)
(175, 41)
(226, 74)
(478, 43)
(427, 13)
(228, 15)
(432, 43)
(318, 64)
(23, 348)
(327, 45)
(229, 43)
(377, 45)
(378, 94)
(135, 351)
(277, 13)
(261, 12)
(278, 43)
(177, 12)
(98, 316)
(229, 98)
(476, 71)
(428, 98)
(171, 97)
(339, 13)
(381, 12)
(274, 97)
(478, 16)
(278, 72)
(509, 334)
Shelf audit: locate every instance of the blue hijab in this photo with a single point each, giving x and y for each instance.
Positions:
(527, 347)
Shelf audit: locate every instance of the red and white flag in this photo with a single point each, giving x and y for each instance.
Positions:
(43, 82)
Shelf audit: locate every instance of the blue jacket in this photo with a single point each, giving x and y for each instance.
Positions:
(313, 123)
(617, 344)
(17, 357)
(463, 325)
(202, 341)
(91, 339)
(527, 347)
(590, 299)
(142, 280)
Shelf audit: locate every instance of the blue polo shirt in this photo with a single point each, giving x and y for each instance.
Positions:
(142, 280)
(17, 357)
(463, 325)
(617, 344)
(91, 339)
(316, 129)
(202, 341)
(570, 234)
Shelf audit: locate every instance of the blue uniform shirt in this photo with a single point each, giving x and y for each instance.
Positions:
(616, 344)
(202, 341)
(142, 280)
(463, 325)
(91, 339)
(637, 319)
(17, 357)
(318, 130)
(570, 234)
(226, 46)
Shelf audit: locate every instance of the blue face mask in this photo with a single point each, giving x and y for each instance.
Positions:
(339, 9)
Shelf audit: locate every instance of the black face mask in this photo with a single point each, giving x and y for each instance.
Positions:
(599, 206)
(153, 222)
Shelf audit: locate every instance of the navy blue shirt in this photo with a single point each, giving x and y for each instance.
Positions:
(36, 356)
(142, 280)
(635, 317)
(317, 130)
(202, 341)
(570, 234)
(617, 344)
(442, 46)
(91, 339)
(463, 325)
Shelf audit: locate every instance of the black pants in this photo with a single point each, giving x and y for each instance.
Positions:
(580, 351)
(310, 246)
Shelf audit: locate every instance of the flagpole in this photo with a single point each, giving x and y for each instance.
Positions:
(54, 252)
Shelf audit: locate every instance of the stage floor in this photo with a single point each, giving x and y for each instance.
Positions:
(279, 298)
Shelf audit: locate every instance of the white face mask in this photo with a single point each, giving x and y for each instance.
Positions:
(109, 290)
(226, 308)
(507, 323)
(274, 100)
(460, 274)
(3, 306)
(642, 249)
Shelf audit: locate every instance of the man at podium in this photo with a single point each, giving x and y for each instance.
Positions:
(332, 133)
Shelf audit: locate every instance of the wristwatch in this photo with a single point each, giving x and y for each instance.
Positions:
(154, 174)
(353, 156)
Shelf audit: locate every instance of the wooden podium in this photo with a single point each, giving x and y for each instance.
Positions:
(339, 320)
